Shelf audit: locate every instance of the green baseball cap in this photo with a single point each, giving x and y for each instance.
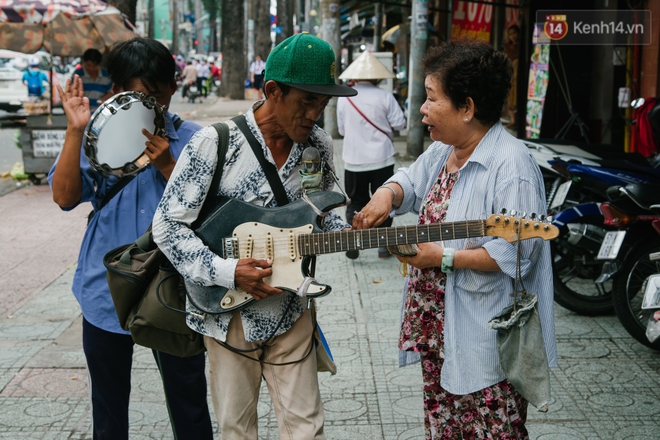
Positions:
(305, 62)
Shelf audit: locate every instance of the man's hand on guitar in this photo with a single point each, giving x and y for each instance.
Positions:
(249, 277)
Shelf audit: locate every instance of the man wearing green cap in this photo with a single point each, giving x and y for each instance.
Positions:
(273, 333)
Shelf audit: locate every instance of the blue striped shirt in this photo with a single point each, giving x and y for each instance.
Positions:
(94, 88)
(500, 173)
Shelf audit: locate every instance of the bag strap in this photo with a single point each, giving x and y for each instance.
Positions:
(269, 169)
(367, 119)
(212, 198)
(178, 123)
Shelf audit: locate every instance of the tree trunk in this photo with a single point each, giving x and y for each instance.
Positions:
(234, 70)
(285, 10)
(262, 41)
(175, 27)
(127, 7)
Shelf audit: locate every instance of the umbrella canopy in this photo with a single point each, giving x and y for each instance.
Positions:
(62, 27)
(392, 34)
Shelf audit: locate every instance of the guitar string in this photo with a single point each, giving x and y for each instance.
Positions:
(337, 241)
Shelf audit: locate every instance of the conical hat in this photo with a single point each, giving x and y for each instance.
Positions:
(366, 66)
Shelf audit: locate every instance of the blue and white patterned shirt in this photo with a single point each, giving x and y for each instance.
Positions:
(243, 179)
(500, 173)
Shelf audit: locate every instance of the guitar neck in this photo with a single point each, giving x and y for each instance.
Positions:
(342, 241)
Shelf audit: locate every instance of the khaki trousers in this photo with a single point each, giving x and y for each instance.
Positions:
(294, 388)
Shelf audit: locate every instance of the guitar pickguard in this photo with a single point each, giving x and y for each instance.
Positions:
(262, 242)
(257, 238)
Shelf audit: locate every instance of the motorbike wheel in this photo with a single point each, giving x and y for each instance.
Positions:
(574, 273)
(628, 291)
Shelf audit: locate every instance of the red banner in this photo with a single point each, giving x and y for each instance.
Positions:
(471, 20)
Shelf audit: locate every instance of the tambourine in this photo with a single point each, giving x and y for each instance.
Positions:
(114, 143)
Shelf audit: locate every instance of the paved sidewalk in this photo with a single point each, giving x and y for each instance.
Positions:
(607, 385)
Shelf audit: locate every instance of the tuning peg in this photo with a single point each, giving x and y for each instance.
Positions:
(523, 214)
(532, 216)
(504, 211)
(513, 213)
(542, 217)
(550, 219)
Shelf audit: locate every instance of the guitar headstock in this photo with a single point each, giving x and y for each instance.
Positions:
(506, 226)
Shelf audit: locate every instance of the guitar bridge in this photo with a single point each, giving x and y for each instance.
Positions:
(231, 248)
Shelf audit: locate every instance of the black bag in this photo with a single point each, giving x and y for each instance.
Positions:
(148, 294)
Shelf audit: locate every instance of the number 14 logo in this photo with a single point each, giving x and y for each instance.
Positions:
(555, 30)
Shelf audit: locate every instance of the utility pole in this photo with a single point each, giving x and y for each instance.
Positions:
(199, 25)
(416, 91)
(378, 25)
(249, 22)
(330, 24)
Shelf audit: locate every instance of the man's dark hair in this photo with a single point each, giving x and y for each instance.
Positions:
(141, 58)
(92, 55)
(471, 69)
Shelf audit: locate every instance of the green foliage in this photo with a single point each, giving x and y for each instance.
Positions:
(213, 8)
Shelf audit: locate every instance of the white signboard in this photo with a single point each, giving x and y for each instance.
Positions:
(47, 143)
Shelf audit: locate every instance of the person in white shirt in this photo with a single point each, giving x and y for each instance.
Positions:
(367, 122)
(257, 75)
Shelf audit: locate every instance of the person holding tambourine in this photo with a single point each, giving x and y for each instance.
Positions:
(139, 65)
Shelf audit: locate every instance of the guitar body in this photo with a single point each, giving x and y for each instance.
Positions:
(262, 233)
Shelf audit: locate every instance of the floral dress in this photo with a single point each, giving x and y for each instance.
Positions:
(495, 412)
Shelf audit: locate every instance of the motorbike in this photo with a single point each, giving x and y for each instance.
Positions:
(583, 280)
(635, 210)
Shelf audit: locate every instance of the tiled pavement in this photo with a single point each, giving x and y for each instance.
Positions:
(606, 386)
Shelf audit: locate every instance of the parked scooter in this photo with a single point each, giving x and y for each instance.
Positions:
(583, 280)
(635, 209)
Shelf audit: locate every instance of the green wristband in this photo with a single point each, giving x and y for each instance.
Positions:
(448, 260)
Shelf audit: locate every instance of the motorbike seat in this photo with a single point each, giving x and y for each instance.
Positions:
(644, 194)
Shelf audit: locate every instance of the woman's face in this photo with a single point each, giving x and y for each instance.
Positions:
(446, 123)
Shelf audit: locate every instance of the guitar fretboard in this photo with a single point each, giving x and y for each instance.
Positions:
(341, 241)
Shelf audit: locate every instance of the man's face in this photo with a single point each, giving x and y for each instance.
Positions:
(91, 67)
(163, 95)
(297, 112)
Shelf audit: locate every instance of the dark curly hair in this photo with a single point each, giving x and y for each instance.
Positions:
(471, 69)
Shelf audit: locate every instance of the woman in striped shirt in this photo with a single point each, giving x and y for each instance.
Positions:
(473, 169)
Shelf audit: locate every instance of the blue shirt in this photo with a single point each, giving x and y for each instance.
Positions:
(38, 78)
(125, 217)
(94, 88)
(500, 173)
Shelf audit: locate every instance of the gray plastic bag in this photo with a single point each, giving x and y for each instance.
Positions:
(521, 349)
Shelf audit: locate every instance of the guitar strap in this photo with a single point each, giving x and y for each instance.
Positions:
(269, 169)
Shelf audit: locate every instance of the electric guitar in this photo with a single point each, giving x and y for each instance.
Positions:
(291, 235)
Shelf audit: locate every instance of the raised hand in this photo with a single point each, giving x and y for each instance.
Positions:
(75, 103)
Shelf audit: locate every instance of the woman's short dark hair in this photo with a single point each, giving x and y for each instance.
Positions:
(471, 69)
(92, 55)
(141, 58)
